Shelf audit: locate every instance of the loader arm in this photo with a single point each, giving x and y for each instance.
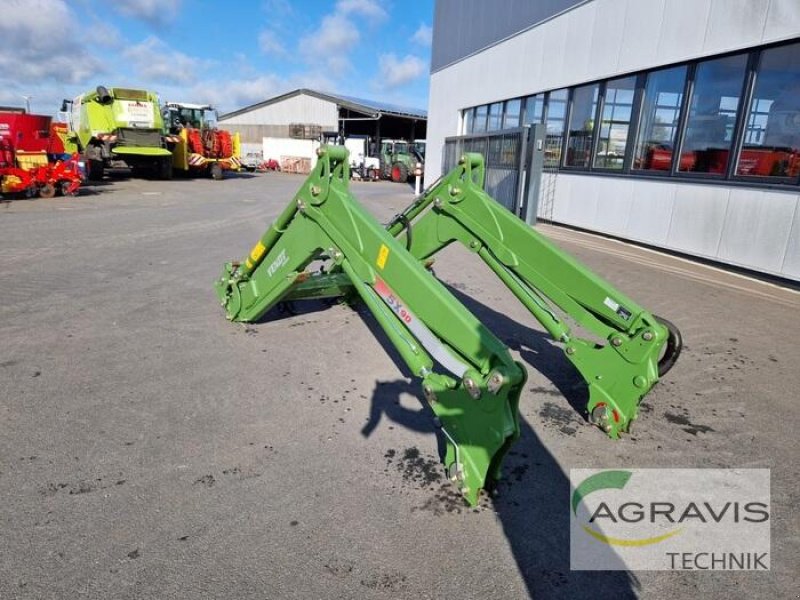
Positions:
(633, 347)
(468, 376)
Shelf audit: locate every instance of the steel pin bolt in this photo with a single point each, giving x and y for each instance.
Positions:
(616, 342)
(472, 388)
(495, 383)
(570, 350)
(647, 336)
(430, 396)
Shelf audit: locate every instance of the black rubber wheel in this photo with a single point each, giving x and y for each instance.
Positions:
(216, 171)
(94, 168)
(399, 173)
(165, 168)
(672, 349)
(48, 190)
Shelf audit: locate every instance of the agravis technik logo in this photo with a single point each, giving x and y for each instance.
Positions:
(669, 519)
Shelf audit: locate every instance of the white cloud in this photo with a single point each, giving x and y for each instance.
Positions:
(269, 43)
(155, 12)
(232, 94)
(330, 43)
(37, 43)
(423, 36)
(153, 60)
(365, 8)
(395, 71)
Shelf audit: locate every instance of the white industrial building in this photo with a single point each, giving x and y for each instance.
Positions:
(673, 123)
(294, 122)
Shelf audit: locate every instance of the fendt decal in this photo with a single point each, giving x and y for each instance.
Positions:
(279, 261)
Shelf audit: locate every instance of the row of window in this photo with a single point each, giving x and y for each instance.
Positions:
(745, 106)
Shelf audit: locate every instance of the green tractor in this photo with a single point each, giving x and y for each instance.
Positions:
(400, 160)
(119, 128)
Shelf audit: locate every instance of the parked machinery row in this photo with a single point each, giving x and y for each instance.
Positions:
(126, 128)
(110, 128)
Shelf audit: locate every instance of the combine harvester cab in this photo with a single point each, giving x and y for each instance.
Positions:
(198, 146)
(32, 161)
(119, 128)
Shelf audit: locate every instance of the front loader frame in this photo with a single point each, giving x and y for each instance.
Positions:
(468, 376)
(633, 348)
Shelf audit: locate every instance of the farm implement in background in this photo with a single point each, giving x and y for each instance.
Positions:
(197, 145)
(33, 161)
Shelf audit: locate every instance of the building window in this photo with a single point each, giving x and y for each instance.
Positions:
(534, 109)
(469, 121)
(615, 123)
(658, 128)
(712, 115)
(511, 114)
(557, 112)
(581, 125)
(495, 117)
(480, 119)
(771, 145)
(556, 118)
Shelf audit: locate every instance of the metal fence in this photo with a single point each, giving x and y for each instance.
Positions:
(504, 154)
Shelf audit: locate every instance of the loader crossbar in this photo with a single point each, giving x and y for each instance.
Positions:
(468, 376)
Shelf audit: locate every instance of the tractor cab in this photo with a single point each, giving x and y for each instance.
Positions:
(398, 161)
(196, 116)
(392, 148)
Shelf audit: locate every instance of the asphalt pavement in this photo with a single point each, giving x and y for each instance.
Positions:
(149, 448)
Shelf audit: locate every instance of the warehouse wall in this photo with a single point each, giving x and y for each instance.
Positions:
(596, 40)
(602, 38)
(273, 120)
(487, 23)
(755, 229)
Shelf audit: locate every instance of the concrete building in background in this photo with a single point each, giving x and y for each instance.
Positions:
(305, 114)
(674, 123)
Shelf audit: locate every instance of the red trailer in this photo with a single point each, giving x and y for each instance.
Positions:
(25, 167)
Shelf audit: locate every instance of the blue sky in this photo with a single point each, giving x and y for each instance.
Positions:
(227, 53)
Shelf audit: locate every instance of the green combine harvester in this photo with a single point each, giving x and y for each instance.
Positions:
(469, 378)
(119, 128)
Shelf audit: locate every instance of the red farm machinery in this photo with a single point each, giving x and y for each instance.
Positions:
(197, 145)
(34, 160)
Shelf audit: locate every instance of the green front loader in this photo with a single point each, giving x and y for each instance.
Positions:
(468, 377)
(119, 128)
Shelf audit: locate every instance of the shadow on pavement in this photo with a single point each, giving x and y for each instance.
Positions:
(536, 348)
(532, 501)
